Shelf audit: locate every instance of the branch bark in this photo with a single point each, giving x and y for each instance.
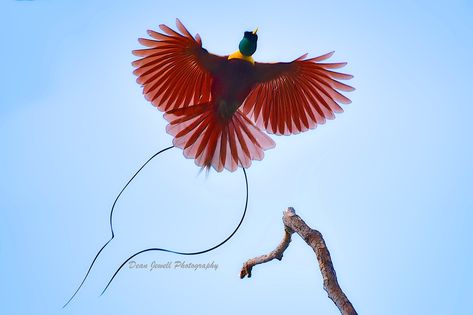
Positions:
(294, 224)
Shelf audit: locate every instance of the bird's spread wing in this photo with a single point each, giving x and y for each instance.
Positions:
(175, 71)
(292, 97)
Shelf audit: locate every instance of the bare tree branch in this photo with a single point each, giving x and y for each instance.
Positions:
(294, 224)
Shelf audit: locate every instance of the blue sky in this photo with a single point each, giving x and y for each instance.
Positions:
(388, 182)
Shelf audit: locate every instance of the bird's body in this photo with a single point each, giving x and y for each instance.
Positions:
(231, 85)
(218, 106)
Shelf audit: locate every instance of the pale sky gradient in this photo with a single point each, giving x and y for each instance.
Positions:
(388, 183)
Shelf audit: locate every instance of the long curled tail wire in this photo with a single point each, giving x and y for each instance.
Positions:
(152, 249)
(186, 253)
(111, 221)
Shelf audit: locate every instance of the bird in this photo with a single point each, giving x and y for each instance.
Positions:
(220, 109)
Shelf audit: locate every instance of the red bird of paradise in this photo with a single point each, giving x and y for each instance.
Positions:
(218, 106)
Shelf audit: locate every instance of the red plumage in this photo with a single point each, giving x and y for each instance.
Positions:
(217, 107)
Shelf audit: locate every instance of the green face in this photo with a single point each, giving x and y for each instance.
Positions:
(247, 45)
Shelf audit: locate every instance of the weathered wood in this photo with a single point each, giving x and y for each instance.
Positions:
(294, 224)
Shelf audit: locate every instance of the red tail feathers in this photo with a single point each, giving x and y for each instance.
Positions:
(212, 141)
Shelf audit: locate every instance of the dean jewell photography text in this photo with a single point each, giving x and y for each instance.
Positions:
(173, 265)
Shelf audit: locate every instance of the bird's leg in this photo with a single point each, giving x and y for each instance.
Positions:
(225, 109)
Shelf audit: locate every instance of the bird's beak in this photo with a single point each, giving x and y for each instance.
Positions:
(255, 31)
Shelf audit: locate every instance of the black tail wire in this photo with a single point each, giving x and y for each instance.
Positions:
(154, 248)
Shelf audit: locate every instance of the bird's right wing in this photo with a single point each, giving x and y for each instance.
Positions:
(291, 97)
(175, 71)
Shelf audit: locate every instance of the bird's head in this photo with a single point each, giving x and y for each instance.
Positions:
(247, 45)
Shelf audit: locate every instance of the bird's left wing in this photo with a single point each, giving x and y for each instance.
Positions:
(175, 71)
(292, 97)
